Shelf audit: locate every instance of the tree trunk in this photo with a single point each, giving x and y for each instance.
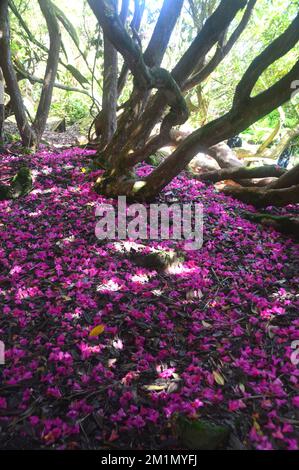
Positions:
(27, 134)
(110, 94)
(2, 108)
(134, 129)
(51, 68)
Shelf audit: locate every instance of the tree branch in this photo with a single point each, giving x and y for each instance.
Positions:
(222, 50)
(145, 77)
(169, 14)
(41, 46)
(210, 34)
(124, 11)
(110, 94)
(263, 197)
(33, 79)
(239, 118)
(135, 26)
(289, 178)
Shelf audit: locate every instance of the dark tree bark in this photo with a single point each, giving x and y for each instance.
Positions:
(135, 26)
(30, 135)
(242, 115)
(124, 11)
(100, 122)
(145, 77)
(110, 93)
(209, 35)
(134, 129)
(157, 46)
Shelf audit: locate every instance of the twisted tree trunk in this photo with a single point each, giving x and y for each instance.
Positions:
(131, 143)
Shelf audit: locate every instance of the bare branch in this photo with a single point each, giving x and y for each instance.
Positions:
(222, 50)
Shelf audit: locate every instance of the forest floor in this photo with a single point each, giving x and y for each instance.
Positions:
(210, 339)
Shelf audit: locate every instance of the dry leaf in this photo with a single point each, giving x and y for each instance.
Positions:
(218, 377)
(96, 331)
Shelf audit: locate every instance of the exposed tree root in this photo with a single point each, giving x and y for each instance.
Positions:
(284, 224)
(263, 197)
(238, 174)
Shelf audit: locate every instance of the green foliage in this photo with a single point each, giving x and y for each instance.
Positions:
(72, 108)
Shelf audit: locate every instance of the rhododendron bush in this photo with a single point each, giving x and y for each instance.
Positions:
(209, 339)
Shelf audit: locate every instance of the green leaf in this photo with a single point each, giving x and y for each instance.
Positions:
(77, 74)
(67, 24)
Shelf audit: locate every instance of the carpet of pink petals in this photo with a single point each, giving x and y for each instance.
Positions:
(211, 339)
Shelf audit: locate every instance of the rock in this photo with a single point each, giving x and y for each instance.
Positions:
(225, 156)
(81, 140)
(158, 260)
(59, 126)
(203, 163)
(201, 434)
